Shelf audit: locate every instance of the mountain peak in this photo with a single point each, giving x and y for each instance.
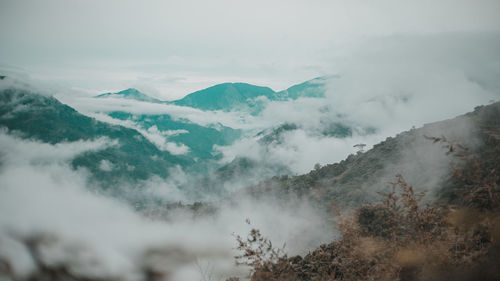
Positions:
(314, 88)
(130, 93)
(225, 96)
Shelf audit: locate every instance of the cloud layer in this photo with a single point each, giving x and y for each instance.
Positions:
(99, 236)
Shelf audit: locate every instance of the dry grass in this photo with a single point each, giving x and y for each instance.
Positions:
(402, 239)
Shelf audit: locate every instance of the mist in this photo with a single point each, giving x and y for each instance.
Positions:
(395, 84)
(99, 236)
(389, 69)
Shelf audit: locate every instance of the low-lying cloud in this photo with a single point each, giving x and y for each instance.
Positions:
(391, 86)
(98, 236)
(396, 83)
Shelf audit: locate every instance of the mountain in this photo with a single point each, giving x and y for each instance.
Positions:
(227, 96)
(239, 173)
(234, 96)
(414, 154)
(199, 139)
(136, 156)
(44, 118)
(314, 88)
(464, 206)
(276, 135)
(132, 94)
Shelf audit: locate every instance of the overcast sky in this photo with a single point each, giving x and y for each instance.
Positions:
(172, 47)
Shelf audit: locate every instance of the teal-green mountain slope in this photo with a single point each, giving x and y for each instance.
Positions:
(43, 118)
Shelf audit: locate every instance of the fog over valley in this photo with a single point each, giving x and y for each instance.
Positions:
(290, 140)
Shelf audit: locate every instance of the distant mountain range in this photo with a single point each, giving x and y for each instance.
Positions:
(132, 94)
(227, 96)
(135, 157)
(233, 96)
(198, 139)
(138, 156)
(44, 118)
(157, 143)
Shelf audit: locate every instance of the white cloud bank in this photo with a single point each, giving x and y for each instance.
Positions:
(390, 85)
(97, 236)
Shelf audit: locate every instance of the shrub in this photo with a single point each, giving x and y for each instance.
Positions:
(402, 239)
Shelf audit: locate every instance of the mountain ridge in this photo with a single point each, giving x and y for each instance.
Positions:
(357, 179)
(233, 95)
(225, 96)
(46, 119)
(132, 94)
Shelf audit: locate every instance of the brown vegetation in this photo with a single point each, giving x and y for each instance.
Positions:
(402, 239)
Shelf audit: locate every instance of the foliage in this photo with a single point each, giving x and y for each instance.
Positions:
(43, 118)
(401, 238)
(258, 251)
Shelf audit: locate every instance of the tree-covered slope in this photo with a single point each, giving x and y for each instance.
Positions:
(227, 96)
(314, 88)
(403, 234)
(44, 118)
(234, 96)
(425, 164)
(132, 94)
(199, 139)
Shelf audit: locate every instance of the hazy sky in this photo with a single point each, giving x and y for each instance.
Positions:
(172, 47)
